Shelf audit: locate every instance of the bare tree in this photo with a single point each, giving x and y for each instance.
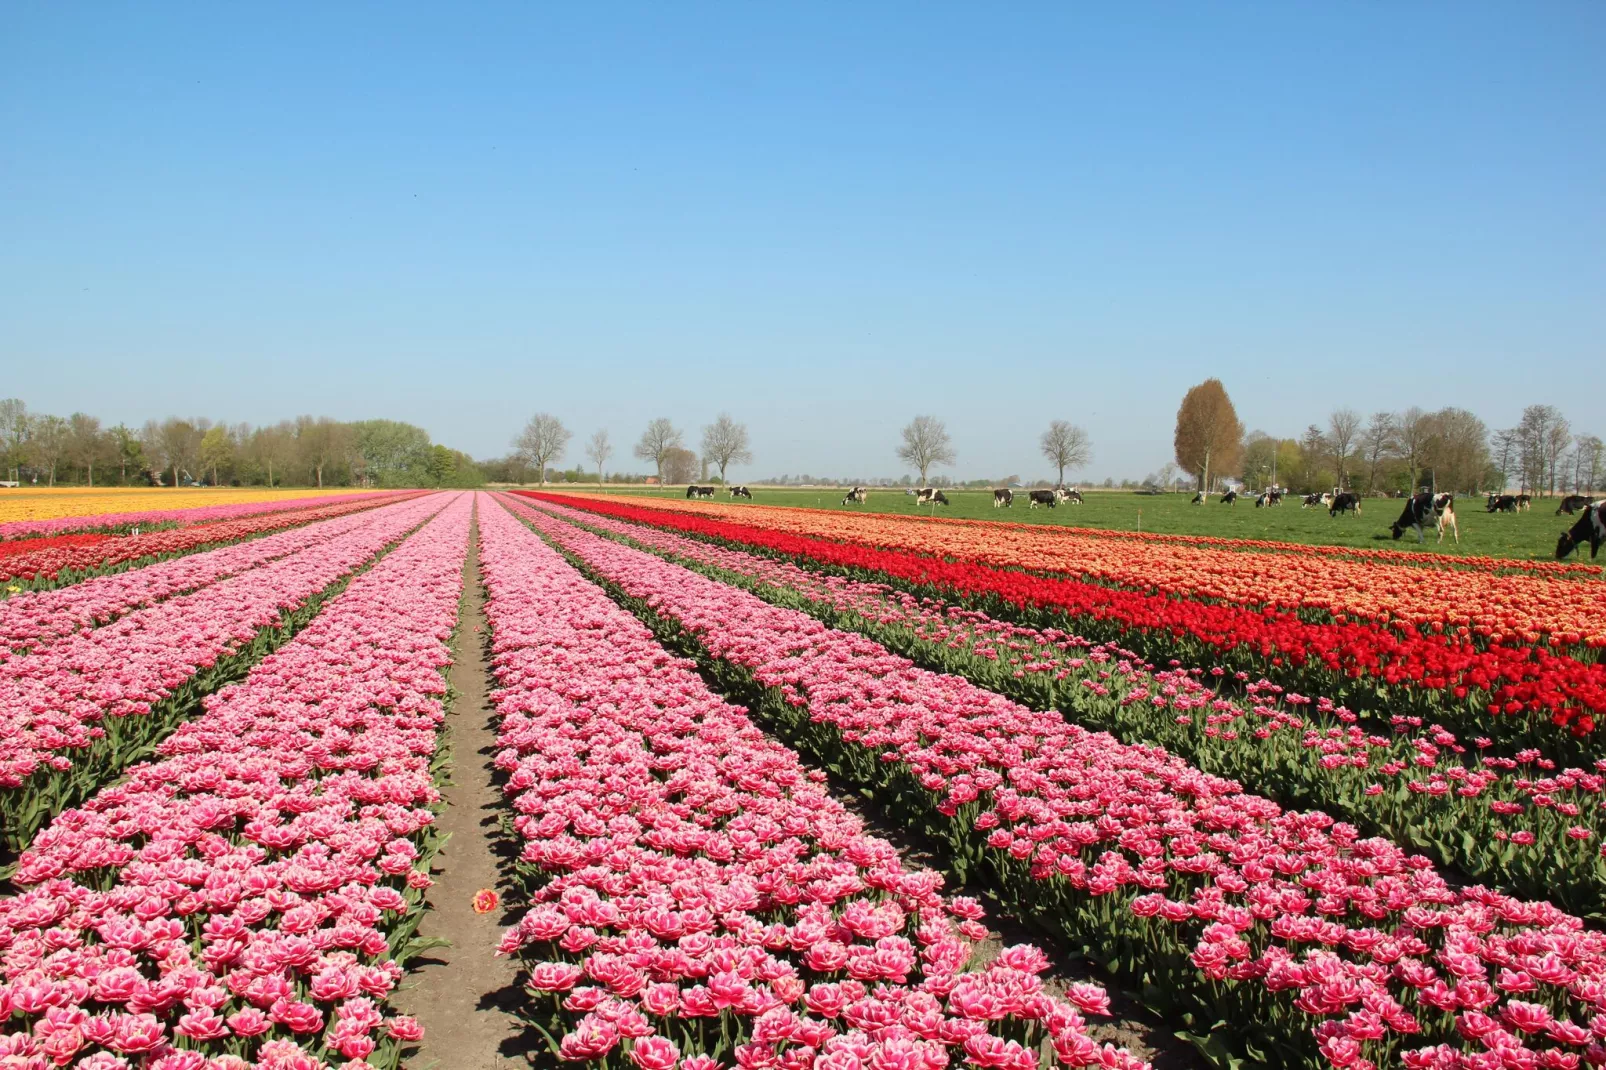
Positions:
(599, 449)
(925, 443)
(1414, 428)
(1378, 444)
(1504, 452)
(656, 442)
(86, 442)
(1560, 436)
(50, 441)
(1343, 425)
(321, 443)
(13, 435)
(543, 440)
(1458, 446)
(725, 443)
(1208, 431)
(1066, 446)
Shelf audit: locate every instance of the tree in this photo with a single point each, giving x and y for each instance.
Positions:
(1314, 450)
(1505, 451)
(1590, 456)
(1412, 430)
(1458, 446)
(1258, 468)
(543, 440)
(13, 435)
(1343, 425)
(598, 450)
(126, 445)
(86, 443)
(725, 443)
(1066, 446)
(1542, 435)
(390, 452)
(925, 443)
(274, 448)
(217, 450)
(679, 466)
(50, 441)
(656, 442)
(1378, 444)
(320, 443)
(1208, 431)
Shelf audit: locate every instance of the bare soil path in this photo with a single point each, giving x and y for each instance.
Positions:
(465, 994)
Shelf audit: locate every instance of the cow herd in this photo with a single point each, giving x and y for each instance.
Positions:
(1421, 510)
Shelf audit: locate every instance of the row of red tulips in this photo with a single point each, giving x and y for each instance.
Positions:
(1512, 819)
(1510, 692)
(696, 897)
(1283, 933)
(249, 900)
(82, 709)
(59, 563)
(33, 620)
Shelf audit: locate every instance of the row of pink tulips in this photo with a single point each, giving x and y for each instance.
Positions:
(248, 900)
(32, 620)
(204, 514)
(1284, 931)
(1512, 819)
(696, 896)
(44, 563)
(83, 708)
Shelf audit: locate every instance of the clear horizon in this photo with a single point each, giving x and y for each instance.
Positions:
(822, 220)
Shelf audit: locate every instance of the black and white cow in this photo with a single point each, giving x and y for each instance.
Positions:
(741, 492)
(1571, 504)
(1003, 497)
(1423, 509)
(694, 491)
(1502, 503)
(1072, 496)
(1524, 501)
(1591, 527)
(1311, 501)
(1343, 503)
(930, 496)
(1230, 498)
(1041, 497)
(1274, 497)
(1198, 498)
(858, 495)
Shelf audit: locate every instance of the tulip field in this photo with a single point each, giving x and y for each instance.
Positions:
(1295, 806)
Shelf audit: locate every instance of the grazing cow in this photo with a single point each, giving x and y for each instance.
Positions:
(1312, 500)
(1502, 503)
(1274, 497)
(741, 492)
(1003, 496)
(1571, 504)
(1343, 503)
(1041, 497)
(1198, 499)
(694, 491)
(1524, 501)
(1590, 526)
(930, 496)
(1230, 498)
(1260, 499)
(857, 495)
(1073, 496)
(1422, 508)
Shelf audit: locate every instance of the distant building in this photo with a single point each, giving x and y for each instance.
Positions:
(651, 481)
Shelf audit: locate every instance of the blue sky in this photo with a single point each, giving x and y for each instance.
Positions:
(823, 218)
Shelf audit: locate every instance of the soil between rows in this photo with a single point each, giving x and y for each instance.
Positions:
(465, 994)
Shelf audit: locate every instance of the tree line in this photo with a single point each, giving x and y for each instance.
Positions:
(924, 444)
(307, 451)
(1388, 452)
